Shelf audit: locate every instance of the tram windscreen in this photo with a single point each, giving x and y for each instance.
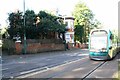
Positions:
(98, 40)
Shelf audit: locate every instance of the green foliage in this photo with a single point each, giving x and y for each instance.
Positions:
(8, 46)
(30, 18)
(79, 33)
(83, 17)
(2, 31)
(30, 27)
(95, 24)
(34, 28)
(16, 24)
(82, 14)
(48, 23)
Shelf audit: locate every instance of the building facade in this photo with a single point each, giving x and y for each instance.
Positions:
(69, 35)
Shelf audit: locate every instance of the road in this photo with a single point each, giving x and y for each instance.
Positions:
(82, 68)
(22, 64)
(62, 64)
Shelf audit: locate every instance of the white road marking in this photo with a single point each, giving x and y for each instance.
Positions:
(78, 69)
(83, 54)
(118, 59)
(79, 54)
(4, 69)
(22, 62)
(31, 74)
(11, 77)
(25, 72)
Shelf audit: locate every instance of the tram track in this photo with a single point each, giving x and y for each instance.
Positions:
(84, 77)
(81, 69)
(93, 70)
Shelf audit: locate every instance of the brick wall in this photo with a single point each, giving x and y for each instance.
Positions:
(36, 46)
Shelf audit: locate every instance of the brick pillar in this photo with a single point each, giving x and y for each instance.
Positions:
(18, 47)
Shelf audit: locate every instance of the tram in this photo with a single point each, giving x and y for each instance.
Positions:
(102, 45)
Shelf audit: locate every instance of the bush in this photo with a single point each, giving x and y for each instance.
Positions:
(8, 46)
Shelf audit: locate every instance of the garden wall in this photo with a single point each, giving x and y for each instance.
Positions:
(36, 46)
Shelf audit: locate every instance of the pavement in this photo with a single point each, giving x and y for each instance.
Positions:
(10, 57)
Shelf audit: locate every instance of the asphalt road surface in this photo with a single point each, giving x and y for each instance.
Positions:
(62, 64)
(16, 65)
(82, 68)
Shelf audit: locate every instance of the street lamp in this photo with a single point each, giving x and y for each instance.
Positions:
(24, 28)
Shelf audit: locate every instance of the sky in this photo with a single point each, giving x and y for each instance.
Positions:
(106, 11)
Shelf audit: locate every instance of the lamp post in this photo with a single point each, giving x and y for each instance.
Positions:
(24, 28)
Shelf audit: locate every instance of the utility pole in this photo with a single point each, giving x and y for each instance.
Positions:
(24, 28)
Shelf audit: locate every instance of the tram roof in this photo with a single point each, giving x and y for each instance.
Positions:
(108, 30)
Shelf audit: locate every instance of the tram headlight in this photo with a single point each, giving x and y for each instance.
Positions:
(103, 50)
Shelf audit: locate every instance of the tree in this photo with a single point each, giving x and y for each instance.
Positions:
(48, 23)
(83, 17)
(30, 26)
(79, 32)
(34, 28)
(16, 24)
(96, 24)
